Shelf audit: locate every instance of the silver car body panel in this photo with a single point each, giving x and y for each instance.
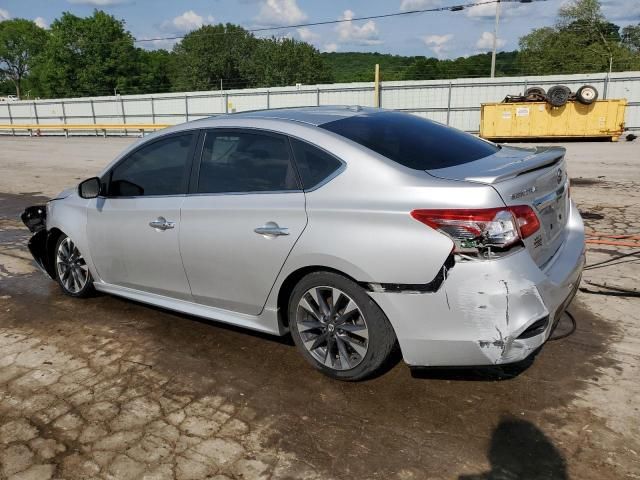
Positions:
(229, 265)
(358, 223)
(129, 253)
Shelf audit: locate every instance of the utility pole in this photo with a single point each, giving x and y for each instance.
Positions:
(376, 87)
(495, 40)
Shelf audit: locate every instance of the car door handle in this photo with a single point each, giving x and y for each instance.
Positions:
(271, 229)
(161, 223)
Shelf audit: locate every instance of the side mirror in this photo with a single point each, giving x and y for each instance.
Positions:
(90, 188)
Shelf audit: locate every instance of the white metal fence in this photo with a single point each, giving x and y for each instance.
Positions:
(455, 102)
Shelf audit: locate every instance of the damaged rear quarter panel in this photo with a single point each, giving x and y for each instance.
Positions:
(474, 318)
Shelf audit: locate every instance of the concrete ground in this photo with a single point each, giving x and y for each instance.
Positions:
(108, 388)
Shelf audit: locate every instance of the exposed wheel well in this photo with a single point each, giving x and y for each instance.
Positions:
(52, 239)
(290, 283)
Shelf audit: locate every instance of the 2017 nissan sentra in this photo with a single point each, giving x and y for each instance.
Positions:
(355, 229)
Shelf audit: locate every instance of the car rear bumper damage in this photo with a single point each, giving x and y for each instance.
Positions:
(488, 312)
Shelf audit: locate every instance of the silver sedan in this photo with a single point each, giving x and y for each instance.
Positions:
(356, 230)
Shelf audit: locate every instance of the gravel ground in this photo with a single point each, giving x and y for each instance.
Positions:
(108, 388)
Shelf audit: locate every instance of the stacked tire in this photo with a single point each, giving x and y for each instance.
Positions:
(587, 94)
(559, 95)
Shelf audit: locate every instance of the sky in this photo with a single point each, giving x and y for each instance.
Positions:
(439, 34)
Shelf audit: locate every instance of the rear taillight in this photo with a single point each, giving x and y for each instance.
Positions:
(483, 230)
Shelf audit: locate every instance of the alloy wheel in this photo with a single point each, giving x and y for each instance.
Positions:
(73, 271)
(332, 328)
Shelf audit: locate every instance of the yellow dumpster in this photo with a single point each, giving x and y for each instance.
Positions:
(603, 118)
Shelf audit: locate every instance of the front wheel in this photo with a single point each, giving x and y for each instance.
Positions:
(338, 328)
(72, 271)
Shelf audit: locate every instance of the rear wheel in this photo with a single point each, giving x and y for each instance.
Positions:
(338, 328)
(72, 271)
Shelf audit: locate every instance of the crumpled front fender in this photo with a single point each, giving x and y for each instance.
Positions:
(38, 246)
(35, 219)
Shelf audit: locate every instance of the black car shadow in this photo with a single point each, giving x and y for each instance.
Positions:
(519, 450)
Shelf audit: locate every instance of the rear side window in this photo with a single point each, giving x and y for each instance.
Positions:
(240, 162)
(412, 141)
(314, 165)
(159, 168)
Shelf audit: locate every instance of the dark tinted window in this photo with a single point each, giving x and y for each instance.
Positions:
(412, 141)
(314, 165)
(245, 162)
(157, 169)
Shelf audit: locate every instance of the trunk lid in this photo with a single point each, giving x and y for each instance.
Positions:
(525, 176)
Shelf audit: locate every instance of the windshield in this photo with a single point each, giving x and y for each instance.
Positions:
(412, 141)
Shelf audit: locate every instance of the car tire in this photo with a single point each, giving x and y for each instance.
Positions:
(72, 272)
(358, 338)
(539, 91)
(587, 94)
(558, 95)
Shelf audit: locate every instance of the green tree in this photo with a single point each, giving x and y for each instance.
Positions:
(631, 37)
(88, 56)
(20, 43)
(359, 66)
(156, 67)
(424, 69)
(211, 53)
(581, 41)
(277, 62)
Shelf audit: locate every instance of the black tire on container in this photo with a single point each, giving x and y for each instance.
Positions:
(534, 91)
(558, 95)
(86, 291)
(587, 94)
(382, 339)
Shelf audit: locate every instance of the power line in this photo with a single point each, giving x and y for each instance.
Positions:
(451, 8)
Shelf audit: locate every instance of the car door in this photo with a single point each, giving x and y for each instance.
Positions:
(240, 222)
(134, 227)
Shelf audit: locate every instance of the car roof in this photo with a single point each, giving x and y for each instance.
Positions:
(310, 115)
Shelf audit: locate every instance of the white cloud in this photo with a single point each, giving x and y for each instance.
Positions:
(406, 5)
(330, 47)
(41, 22)
(438, 43)
(484, 9)
(624, 10)
(99, 3)
(280, 12)
(4, 15)
(485, 42)
(349, 32)
(186, 22)
(308, 35)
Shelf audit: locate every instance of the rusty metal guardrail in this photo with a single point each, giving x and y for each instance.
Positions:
(122, 127)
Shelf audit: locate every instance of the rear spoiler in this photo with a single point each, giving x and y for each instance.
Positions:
(508, 162)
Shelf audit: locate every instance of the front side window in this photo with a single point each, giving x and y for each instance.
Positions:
(240, 162)
(160, 168)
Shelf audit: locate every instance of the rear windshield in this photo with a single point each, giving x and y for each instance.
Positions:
(412, 141)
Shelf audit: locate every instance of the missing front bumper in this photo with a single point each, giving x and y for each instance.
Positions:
(35, 219)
